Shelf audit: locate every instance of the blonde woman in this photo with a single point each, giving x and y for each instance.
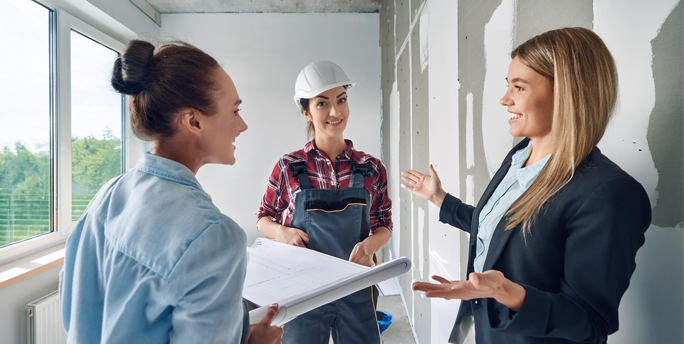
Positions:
(554, 237)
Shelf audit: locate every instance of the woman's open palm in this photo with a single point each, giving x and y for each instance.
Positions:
(421, 185)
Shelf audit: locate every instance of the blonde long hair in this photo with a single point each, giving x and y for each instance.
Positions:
(585, 88)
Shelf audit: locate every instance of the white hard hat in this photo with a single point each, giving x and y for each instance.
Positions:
(317, 78)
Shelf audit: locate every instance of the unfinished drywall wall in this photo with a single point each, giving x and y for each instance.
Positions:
(467, 57)
(645, 39)
(406, 141)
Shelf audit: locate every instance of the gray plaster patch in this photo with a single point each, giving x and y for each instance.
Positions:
(534, 17)
(387, 78)
(420, 148)
(666, 122)
(404, 88)
(415, 6)
(403, 24)
(473, 16)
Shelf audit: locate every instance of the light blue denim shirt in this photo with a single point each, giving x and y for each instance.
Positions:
(152, 260)
(514, 184)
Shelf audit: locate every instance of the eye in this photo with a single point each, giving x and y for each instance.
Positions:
(237, 112)
(343, 100)
(321, 104)
(518, 88)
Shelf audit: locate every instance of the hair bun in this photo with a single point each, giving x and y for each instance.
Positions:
(133, 69)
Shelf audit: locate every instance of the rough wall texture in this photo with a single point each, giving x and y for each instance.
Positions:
(666, 121)
(645, 137)
(404, 77)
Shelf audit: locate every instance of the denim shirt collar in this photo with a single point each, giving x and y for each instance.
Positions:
(527, 175)
(167, 169)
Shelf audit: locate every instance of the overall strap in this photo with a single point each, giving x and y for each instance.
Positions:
(298, 170)
(358, 173)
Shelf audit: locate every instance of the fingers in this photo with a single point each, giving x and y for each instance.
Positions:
(410, 178)
(426, 286)
(303, 235)
(270, 314)
(298, 242)
(433, 173)
(441, 279)
(447, 295)
(354, 253)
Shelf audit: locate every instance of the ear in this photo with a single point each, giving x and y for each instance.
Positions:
(189, 121)
(307, 115)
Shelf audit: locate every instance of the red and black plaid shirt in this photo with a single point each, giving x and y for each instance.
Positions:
(279, 200)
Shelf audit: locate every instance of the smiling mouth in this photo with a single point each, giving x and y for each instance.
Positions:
(334, 122)
(514, 115)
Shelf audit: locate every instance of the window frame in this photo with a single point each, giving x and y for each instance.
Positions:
(61, 24)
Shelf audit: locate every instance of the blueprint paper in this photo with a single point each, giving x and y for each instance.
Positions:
(277, 271)
(300, 279)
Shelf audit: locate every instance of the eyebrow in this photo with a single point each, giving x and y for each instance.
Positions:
(326, 98)
(517, 80)
(238, 102)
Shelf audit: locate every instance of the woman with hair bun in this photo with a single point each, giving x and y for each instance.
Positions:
(152, 260)
(554, 238)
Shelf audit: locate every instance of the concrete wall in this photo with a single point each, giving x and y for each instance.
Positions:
(467, 54)
(264, 53)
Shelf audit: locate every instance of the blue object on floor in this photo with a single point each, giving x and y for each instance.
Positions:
(384, 320)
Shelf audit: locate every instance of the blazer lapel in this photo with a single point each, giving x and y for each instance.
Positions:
(497, 244)
(501, 236)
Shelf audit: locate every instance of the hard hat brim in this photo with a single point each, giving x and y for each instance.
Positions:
(310, 94)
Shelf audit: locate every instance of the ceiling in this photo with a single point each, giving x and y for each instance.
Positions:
(265, 6)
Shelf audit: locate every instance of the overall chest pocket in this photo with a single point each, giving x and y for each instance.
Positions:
(334, 207)
(334, 226)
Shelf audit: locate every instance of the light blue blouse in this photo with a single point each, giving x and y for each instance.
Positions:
(517, 180)
(152, 260)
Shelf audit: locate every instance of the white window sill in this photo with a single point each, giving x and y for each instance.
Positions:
(26, 267)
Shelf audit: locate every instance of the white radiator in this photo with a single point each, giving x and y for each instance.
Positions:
(44, 320)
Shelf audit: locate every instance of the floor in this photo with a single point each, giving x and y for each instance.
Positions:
(399, 331)
(390, 302)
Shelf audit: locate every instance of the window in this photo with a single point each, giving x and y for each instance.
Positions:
(25, 133)
(62, 132)
(96, 117)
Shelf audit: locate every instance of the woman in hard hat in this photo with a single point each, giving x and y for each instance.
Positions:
(331, 198)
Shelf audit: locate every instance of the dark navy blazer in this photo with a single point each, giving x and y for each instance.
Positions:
(575, 265)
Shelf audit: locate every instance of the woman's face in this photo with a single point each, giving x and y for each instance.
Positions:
(221, 129)
(329, 112)
(529, 99)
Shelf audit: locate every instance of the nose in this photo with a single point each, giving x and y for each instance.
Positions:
(334, 111)
(243, 125)
(506, 100)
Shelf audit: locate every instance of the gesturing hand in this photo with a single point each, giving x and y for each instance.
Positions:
(292, 236)
(424, 186)
(490, 284)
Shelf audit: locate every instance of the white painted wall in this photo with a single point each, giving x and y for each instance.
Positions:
(13, 300)
(264, 53)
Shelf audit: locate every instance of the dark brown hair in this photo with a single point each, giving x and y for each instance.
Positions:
(175, 77)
